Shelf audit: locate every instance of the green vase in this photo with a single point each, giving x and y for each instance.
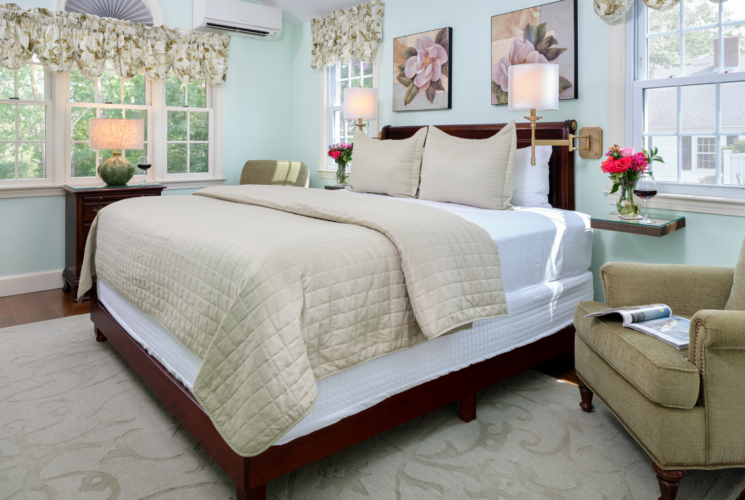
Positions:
(626, 205)
(116, 171)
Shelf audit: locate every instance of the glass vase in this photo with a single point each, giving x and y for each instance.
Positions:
(626, 205)
(341, 173)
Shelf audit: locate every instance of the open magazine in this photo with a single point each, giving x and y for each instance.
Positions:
(656, 320)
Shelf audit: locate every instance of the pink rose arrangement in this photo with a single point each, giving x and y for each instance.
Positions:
(342, 154)
(625, 166)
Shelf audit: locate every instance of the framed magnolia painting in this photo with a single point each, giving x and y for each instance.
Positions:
(422, 69)
(543, 34)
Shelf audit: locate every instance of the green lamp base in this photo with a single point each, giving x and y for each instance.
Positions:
(116, 171)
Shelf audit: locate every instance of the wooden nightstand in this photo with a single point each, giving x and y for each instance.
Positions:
(81, 207)
(661, 227)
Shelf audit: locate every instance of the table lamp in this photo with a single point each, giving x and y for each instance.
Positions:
(116, 134)
(360, 103)
(536, 87)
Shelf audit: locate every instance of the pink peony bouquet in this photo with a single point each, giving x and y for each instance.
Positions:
(342, 154)
(625, 166)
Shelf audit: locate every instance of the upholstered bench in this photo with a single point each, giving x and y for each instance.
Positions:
(686, 408)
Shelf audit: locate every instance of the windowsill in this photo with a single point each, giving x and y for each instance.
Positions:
(692, 203)
(326, 174)
(56, 189)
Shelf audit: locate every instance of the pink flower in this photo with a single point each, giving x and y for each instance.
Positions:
(520, 53)
(640, 161)
(426, 66)
(335, 154)
(627, 151)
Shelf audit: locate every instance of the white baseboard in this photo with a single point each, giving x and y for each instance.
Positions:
(29, 283)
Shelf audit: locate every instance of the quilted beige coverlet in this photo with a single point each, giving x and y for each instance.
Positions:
(276, 288)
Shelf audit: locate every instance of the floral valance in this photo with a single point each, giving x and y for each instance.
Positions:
(61, 40)
(610, 10)
(346, 35)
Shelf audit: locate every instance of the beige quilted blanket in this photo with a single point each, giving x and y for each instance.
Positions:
(276, 288)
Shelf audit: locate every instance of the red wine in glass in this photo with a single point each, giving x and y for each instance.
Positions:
(144, 164)
(644, 194)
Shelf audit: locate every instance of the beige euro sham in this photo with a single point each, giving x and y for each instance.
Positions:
(475, 172)
(387, 167)
(276, 288)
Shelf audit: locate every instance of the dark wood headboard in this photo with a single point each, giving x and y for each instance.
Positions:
(561, 165)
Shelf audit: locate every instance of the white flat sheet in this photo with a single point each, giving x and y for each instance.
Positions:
(536, 245)
(534, 313)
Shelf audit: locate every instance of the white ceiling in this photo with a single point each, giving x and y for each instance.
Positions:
(302, 11)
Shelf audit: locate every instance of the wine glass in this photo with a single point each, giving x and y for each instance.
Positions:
(144, 164)
(645, 189)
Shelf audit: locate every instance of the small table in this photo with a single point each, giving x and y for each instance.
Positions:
(662, 225)
(81, 207)
(334, 188)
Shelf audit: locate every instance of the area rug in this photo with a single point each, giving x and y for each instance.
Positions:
(77, 423)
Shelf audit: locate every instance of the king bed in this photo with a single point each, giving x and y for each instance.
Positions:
(544, 256)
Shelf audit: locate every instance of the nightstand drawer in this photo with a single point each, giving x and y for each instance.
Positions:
(92, 204)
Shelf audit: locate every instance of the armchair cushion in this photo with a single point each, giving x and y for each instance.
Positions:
(686, 289)
(658, 370)
(736, 300)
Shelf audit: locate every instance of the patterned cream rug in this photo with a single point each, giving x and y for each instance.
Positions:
(76, 423)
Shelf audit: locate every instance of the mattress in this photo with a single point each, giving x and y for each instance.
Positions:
(536, 245)
(534, 312)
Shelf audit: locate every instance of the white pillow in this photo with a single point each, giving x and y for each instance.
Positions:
(531, 187)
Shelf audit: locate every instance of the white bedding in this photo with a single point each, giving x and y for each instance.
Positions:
(536, 245)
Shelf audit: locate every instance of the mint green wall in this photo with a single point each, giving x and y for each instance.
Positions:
(256, 126)
(708, 239)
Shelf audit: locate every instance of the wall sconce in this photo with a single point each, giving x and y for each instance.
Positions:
(360, 103)
(536, 87)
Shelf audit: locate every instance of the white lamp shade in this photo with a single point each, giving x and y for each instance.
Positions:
(533, 86)
(360, 102)
(116, 133)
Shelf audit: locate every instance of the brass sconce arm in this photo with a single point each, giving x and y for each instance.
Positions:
(593, 137)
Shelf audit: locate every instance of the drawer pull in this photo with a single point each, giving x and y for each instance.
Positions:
(96, 209)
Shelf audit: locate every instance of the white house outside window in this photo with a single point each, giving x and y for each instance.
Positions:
(688, 93)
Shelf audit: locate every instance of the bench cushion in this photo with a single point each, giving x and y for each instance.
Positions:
(658, 370)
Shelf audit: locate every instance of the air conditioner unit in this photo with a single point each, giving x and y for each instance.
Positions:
(236, 17)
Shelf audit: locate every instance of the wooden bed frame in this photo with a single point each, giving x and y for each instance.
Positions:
(252, 473)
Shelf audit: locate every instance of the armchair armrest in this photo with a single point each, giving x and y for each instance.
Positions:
(717, 348)
(686, 289)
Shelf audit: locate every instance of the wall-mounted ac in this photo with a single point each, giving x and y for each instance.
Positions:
(236, 17)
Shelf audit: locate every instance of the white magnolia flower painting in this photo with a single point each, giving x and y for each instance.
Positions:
(543, 34)
(421, 71)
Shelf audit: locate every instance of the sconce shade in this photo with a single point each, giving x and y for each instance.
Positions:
(116, 133)
(533, 86)
(360, 103)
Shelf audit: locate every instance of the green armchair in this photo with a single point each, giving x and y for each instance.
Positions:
(275, 173)
(685, 408)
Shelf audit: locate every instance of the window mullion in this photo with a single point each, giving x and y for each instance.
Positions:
(188, 137)
(16, 137)
(718, 138)
(679, 91)
(682, 40)
(720, 62)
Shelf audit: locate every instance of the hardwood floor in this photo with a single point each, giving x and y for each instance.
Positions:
(39, 306)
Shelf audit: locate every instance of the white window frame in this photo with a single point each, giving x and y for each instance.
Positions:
(327, 168)
(626, 119)
(98, 106)
(640, 85)
(48, 179)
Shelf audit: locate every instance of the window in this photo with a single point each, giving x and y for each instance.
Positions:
(105, 97)
(354, 74)
(24, 122)
(189, 127)
(687, 95)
